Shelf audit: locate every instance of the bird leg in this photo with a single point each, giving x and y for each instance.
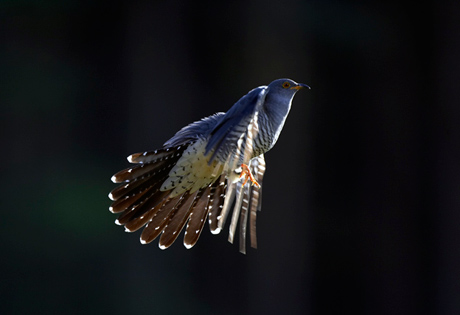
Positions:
(246, 172)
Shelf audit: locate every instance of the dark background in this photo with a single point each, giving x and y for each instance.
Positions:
(361, 209)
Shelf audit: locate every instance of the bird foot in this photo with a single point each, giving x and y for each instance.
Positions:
(246, 172)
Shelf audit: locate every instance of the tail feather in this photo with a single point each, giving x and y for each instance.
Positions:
(141, 170)
(139, 192)
(124, 203)
(129, 188)
(139, 184)
(197, 218)
(143, 176)
(160, 219)
(229, 199)
(141, 209)
(157, 155)
(177, 220)
(136, 223)
(215, 204)
(137, 204)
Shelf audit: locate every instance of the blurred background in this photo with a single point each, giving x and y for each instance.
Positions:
(361, 205)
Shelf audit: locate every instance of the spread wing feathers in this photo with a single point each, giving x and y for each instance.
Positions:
(248, 201)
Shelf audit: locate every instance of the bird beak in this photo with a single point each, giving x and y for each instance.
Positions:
(300, 86)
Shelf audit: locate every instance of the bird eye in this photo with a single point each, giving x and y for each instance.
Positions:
(286, 85)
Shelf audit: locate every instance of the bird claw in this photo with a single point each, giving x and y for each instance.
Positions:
(246, 172)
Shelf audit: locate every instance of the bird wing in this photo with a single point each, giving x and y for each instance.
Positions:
(233, 127)
(194, 131)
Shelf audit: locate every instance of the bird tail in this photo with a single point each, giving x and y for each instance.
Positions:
(140, 192)
(141, 201)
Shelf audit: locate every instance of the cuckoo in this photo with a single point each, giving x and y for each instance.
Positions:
(207, 170)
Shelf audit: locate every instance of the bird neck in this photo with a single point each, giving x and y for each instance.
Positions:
(277, 109)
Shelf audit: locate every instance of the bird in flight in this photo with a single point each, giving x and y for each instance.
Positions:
(204, 171)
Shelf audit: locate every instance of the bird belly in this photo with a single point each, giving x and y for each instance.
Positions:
(192, 171)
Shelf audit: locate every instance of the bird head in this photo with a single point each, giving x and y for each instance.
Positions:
(280, 94)
(286, 87)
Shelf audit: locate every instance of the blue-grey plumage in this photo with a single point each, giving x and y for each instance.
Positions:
(272, 103)
(196, 173)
